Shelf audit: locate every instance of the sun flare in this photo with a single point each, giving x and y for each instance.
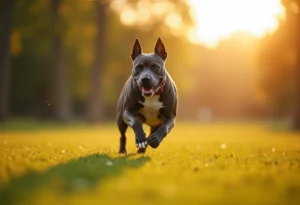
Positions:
(218, 19)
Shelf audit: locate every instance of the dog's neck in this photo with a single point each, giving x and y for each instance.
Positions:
(160, 88)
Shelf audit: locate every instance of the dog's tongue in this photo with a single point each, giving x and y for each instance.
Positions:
(147, 91)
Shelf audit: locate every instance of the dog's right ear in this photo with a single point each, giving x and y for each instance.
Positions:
(136, 50)
(160, 49)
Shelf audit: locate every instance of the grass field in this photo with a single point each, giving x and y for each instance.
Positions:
(221, 163)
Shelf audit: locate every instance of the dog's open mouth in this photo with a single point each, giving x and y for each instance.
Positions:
(147, 91)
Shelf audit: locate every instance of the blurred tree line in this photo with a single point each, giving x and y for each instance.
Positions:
(63, 60)
(279, 59)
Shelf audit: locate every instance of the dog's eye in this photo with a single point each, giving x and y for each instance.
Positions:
(155, 67)
(138, 68)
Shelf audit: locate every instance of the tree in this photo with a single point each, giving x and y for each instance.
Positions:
(293, 21)
(280, 60)
(61, 101)
(5, 59)
(94, 109)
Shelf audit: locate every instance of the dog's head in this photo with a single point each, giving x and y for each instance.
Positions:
(149, 69)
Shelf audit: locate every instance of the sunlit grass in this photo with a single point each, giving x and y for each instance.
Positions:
(196, 164)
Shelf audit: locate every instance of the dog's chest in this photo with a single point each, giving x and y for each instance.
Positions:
(150, 111)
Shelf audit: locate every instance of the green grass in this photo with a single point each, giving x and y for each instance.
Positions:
(223, 163)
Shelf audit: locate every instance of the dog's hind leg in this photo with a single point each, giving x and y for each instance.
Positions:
(122, 128)
(152, 130)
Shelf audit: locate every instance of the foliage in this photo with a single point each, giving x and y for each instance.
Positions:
(31, 80)
(220, 80)
(278, 57)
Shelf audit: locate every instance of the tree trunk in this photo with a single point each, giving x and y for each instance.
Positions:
(5, 60)
(296, 111)
(94, 109)
(61, 101)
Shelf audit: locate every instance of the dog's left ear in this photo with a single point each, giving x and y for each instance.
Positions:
(160, 49)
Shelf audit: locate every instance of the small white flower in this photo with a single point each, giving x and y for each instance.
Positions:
(109, 163)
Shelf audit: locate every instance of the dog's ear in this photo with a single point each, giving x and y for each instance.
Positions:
(136, 49)
(160, 49)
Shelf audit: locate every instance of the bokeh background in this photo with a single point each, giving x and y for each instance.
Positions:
(67, 60)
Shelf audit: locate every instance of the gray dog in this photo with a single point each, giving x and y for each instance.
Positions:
(149, 96)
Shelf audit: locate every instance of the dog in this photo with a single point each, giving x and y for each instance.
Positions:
(149, 96)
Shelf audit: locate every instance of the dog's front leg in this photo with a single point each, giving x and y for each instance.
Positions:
(155, 139)
(132, 121)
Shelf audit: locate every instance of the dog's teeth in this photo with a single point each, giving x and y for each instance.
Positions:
(145, 142)
(140, 145)
(143, 145)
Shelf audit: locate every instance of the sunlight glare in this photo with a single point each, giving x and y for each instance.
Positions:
(143, 16)
(218, 19)
(173, 20)
(161, 7)
(128, 16)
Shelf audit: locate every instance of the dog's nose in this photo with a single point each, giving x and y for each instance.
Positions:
(146, 79)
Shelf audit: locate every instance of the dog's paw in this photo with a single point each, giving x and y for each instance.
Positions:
(122, 150)
(141, 143)
(141, 150)
(154, 141)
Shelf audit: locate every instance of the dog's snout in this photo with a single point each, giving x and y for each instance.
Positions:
(146, 79)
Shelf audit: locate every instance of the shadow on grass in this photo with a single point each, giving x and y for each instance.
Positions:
(75, 176)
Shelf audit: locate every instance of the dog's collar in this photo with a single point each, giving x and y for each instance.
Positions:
(160, 87)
